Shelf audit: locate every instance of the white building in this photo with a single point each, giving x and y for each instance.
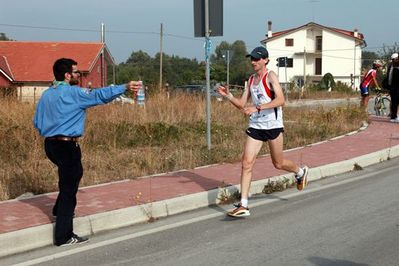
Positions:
(313, 50)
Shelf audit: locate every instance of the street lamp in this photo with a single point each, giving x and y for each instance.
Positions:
(227, 54)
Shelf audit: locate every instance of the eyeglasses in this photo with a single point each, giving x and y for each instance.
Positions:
(77, 72)
(255, 59)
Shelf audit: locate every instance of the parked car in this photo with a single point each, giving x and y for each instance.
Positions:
(198, 89)
(123, 99)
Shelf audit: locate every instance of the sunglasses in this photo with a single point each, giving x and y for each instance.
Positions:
(255, 59)
(77, 72)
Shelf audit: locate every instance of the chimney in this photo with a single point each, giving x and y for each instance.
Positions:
(356, 33)
(269, 29)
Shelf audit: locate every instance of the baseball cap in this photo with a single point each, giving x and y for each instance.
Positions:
(258, 53)
(394, 56)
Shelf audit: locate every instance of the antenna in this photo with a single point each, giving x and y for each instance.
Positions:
(312, 3)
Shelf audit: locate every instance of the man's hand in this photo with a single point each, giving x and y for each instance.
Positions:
(133, 86)
(222, 91)
(250, 110)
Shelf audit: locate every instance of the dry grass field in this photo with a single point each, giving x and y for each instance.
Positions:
(128, 141)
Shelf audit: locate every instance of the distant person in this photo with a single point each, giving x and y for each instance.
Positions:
(265, 125)
(60, 117)
(167, 90)
(369, 80)
(393, 86)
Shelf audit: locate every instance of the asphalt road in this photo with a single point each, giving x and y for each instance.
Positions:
(351, 219)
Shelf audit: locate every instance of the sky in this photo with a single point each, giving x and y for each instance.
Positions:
(133, 25)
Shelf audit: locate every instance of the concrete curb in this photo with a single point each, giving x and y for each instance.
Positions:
(40, 236)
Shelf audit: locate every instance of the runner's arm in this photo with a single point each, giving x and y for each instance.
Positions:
(237, 102)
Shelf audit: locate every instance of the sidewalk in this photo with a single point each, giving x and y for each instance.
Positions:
(27, 224)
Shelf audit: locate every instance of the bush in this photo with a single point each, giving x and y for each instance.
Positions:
(327, 82)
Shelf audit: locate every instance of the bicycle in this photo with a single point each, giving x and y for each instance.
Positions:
(382, 103)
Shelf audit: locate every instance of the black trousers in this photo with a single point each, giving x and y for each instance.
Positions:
(68, 158)
(394, 93)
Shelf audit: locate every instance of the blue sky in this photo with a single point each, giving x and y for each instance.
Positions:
(134, 25)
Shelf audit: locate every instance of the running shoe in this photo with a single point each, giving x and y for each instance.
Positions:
(239, 211)
(302, 182)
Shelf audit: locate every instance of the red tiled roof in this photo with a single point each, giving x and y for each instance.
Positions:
(340, 31)
(4, 67)
(33, 61)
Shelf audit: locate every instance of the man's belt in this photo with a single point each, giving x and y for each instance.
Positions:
(63, 138)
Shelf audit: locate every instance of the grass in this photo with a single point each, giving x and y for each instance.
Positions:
(127, 141)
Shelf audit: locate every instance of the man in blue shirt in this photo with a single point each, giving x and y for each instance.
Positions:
(60, 118)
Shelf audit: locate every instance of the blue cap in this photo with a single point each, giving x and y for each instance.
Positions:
(258, 53)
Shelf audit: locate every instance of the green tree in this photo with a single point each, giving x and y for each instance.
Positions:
(179, 71)
(139, 65)
(176, 70)
(3, 37)
(239, 65)
(327, 82)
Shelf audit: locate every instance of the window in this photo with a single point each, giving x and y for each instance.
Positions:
(289, 42)
(285, 62)
(319, 43)
(290, 62)
(318, 66)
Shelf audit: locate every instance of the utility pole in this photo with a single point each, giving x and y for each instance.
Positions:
(208, 21)
(286, 81)
(102, 55)
(304, 68)
(160, 59)
(227, 54)
(354, 66)
(207, 74)
(228, 68)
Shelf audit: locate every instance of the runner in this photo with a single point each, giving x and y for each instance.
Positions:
(265, 125)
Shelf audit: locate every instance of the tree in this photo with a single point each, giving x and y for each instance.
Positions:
(239, 66)
(386, 51)
(327, 82)
(176, 70)
(368, 58)
(3, 37)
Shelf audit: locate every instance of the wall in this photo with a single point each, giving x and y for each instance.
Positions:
(277, 49)
(31, 92)
(339, 56)
(4, 82)
(95, 75)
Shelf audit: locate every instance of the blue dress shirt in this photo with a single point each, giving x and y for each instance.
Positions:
(61, 109)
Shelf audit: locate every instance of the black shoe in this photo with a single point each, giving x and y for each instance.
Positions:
(75, 239)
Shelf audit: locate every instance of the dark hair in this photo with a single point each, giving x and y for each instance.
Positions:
(62, 66)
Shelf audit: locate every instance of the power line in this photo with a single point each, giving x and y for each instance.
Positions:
(165, 34)
(96, 31)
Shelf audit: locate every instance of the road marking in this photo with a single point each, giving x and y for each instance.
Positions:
(89, 246)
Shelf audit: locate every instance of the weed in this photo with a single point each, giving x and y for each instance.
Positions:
(277, 185)
(227, 197)
(147, 210)
(357, 167)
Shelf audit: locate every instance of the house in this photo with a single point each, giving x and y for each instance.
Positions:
(306, 53)
(26, 68)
